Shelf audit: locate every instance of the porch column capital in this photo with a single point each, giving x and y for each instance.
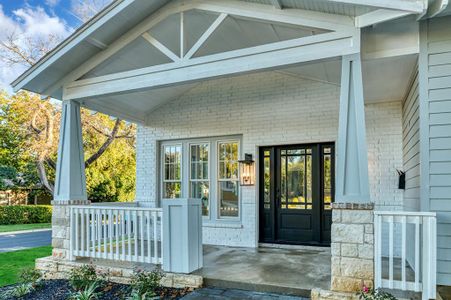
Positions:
(70, 179)
(352, 184)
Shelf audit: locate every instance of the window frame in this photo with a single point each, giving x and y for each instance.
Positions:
(213, 164)
(163, 170)
(190, 180)
(218, 179)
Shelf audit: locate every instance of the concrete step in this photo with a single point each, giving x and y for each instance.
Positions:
(256, 287)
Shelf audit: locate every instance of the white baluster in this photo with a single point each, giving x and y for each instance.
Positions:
(403, 252)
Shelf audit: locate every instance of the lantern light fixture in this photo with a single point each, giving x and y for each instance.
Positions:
(247, 170)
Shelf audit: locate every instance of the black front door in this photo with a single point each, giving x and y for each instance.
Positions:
(296, 189)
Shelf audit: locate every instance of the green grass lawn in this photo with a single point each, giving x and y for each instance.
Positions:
(12, 263)
(19, 227)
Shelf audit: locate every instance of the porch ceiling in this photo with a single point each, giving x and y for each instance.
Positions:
(385, 79)
(99, 35)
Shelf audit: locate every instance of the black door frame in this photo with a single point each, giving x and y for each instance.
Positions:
(322, 238)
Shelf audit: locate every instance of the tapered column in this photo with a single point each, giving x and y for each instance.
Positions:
(352, 184)
(70, 179)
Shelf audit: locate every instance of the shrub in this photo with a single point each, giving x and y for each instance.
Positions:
(31, 276)
(371, 294)
(89, 293)
(22, 290)
(145, 284)
(83, 277)
(25, 214)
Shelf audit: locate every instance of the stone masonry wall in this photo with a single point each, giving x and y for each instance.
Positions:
(61, 227)
(352, 247)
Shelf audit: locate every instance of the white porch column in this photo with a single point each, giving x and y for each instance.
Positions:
(70, 179)
(352, 184)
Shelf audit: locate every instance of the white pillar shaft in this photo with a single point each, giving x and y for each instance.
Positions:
(70, 179)
(352, 184)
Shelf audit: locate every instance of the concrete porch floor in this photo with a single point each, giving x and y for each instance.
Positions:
(290, 270)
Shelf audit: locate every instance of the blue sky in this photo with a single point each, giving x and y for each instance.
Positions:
(37, 20)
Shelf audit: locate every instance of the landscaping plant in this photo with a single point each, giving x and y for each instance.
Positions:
(31, 276)
(88, 293)
(372, 294)
(22, 290)
(83, 277)
(145, 284)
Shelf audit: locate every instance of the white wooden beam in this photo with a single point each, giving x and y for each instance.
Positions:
(229, 63)
(70, 178)
(298, 17)
(276, 4)
(97, 43)
(182, 34)
(437, 7)
(153, 41)
(379, 16)
(250, 10)
(352, 159)
(205, 36)
(413, 6)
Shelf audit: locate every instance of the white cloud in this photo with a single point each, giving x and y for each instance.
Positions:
(52, 3)
(28, 23)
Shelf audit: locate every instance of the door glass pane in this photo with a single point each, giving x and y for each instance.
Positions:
(327, 180)
(296, 179)
(267, 182)
(171, 190)
(228, 196)
(283, 181)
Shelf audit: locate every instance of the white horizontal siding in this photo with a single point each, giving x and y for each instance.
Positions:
(438, 123)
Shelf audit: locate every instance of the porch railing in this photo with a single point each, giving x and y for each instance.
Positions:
(131, 234)
(405, 251)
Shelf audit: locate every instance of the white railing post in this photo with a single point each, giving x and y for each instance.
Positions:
(116, 233)
(423, 264)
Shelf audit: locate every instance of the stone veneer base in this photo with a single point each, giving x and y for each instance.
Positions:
(52, 268)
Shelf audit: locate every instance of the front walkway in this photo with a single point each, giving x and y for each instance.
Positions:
(231, 294)
(291, 270)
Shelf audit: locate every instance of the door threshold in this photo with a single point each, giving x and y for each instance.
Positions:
(293, 247)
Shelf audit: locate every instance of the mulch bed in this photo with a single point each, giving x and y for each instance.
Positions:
(61, 290)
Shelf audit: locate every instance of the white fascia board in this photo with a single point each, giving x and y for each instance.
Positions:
(379, 16)
(413, 6)
(232, 63)
(68, 44)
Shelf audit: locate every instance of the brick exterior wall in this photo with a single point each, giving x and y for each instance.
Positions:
(268, 108)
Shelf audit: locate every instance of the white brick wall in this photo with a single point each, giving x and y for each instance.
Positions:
(268, 108)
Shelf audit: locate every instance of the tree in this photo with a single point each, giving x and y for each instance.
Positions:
(30, 126)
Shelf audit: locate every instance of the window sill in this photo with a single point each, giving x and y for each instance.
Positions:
(222, 225)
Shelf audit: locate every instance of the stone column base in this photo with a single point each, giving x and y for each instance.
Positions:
(61, 227)
(119, 272)
(352, 247)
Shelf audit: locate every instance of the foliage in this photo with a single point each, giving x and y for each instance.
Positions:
(145, 284)
(81, 278)
(88, 293)
(22, 290)
(28, 214)
(31, 276)
(11, 263)
(371, 294)
(29, 131)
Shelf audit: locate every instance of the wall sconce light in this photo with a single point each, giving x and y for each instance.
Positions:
(247, 170)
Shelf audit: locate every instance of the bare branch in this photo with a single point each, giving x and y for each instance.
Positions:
(105, 145)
